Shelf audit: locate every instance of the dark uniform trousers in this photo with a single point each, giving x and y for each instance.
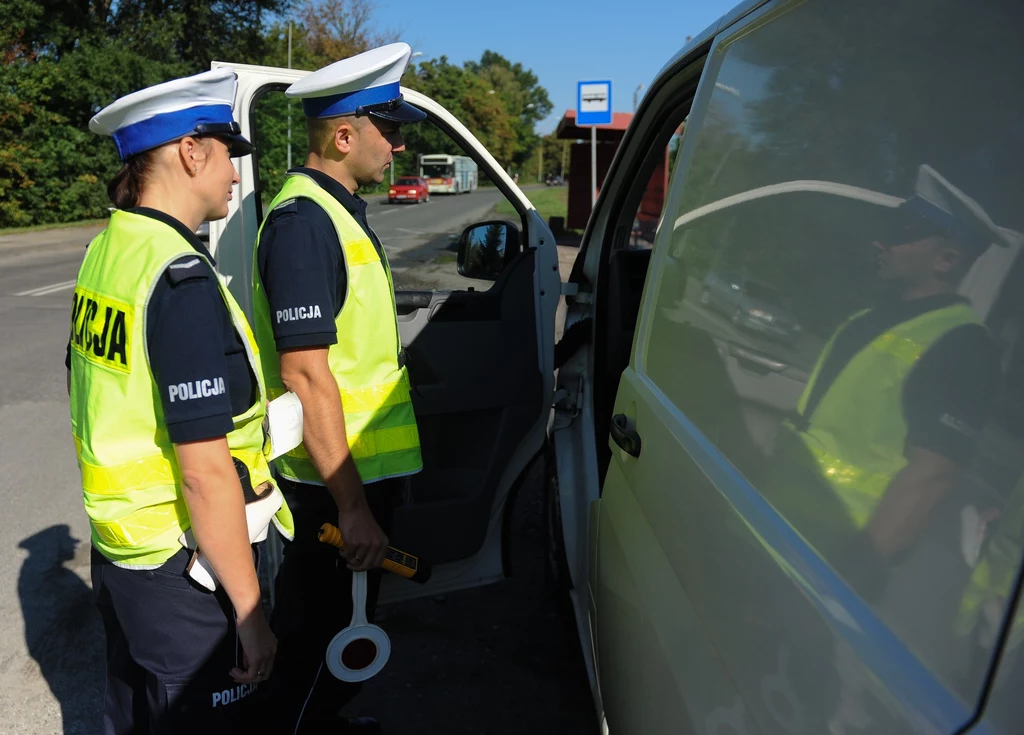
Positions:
(170, 648)
(313, 602)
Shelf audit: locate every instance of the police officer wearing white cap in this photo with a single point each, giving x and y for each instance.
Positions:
(327, 329)
(892, 410)
(167, 409)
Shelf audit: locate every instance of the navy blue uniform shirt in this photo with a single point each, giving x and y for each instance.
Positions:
(302, 266)
(190, 338)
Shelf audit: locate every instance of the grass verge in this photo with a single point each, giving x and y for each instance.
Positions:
(50, 226)
(550, 201)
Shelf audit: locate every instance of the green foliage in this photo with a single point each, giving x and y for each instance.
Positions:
(550, 201)
(64, 61)
(271, 115)
(525, 102)
(465, 95)
(500, 102)
(556, 153)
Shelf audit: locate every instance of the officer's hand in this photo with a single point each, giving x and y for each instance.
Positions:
(259, 647)
(365, 542)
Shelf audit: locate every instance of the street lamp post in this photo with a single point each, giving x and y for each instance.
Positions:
(289, 101)
(636, 92)
(391, 168)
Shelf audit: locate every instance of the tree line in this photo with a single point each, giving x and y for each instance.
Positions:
(64, 60)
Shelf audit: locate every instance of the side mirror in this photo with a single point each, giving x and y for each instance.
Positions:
(486, 248)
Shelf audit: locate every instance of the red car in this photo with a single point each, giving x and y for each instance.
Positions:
(409, 189)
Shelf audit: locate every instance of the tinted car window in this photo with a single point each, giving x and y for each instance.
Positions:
(408, 182)
(881, 415)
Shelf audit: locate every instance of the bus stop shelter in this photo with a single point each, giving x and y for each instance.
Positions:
(608, 139)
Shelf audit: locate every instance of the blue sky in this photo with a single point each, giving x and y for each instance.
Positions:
(562, 41)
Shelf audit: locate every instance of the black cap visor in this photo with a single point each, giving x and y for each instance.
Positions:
(913, 221)
(396, 110)
(231, 133)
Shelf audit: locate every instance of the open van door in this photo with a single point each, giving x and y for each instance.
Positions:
(480, 361)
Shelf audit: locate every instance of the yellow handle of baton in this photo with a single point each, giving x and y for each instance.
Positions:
(403, 564)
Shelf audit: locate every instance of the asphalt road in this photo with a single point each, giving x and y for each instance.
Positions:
(420, 239)
(489, 661)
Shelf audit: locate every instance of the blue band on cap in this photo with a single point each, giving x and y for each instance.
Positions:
(940, 217)
(346, 104)
(167, 126)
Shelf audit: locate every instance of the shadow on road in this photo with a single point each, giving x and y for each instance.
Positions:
(63, 631)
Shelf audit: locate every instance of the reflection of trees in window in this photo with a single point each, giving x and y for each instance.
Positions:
(861, 93)
(855, 93)
(486, 254)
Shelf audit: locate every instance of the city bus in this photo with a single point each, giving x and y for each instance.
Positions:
(448, 174)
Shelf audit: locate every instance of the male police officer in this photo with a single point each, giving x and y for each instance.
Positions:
(894, 404)
(327, 330)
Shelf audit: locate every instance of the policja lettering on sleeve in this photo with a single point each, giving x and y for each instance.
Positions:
(196, 389)
(297, 313)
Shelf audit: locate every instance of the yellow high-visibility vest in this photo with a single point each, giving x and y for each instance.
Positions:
(856, 433)
(130, 476)
(832, 467)
(375, 393)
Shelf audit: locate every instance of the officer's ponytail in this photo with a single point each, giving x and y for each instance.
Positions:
(125, 189)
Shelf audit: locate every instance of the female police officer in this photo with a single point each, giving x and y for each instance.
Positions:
(167, 409)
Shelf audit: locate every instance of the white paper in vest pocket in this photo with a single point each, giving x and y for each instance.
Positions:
(258, 517)
(284, 416)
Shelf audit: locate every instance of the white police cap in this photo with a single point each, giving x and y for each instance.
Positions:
(196, 105)
(364, 84)
(953, 212)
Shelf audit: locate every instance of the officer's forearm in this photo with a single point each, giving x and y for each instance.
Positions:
(308, 375)
(909, 500)
(216, 507)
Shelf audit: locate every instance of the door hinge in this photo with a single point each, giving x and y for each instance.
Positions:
(572, 291)
(567, 403)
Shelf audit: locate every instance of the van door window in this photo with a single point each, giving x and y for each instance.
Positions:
(420, 236)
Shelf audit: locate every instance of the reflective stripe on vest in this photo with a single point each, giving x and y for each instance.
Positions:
(375, 393)
(855, 435)
(131, 481)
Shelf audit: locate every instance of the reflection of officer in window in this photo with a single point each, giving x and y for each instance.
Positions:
(899, 393)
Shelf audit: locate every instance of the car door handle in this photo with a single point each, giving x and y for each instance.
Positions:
(627, 438)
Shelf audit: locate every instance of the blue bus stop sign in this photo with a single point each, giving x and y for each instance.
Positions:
(594, 103)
